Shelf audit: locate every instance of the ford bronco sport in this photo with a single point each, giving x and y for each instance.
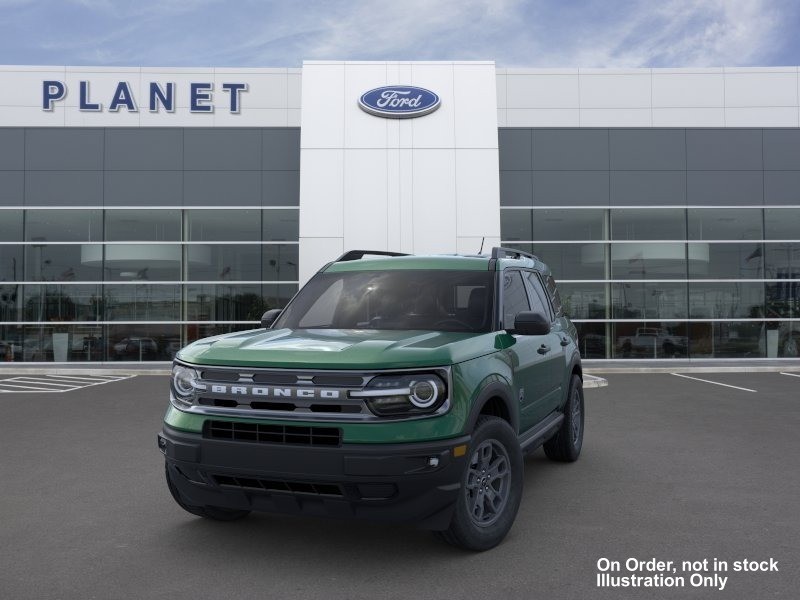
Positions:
(400, 388)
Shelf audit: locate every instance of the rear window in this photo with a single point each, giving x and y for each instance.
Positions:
(398, 300)
(555, 297)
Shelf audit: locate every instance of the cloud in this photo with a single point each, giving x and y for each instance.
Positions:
(592, 33)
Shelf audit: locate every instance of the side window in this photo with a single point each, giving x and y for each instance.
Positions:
(555, 297)
(537, 295)
(515, 300)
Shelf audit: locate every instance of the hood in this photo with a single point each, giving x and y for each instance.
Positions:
(339, 348)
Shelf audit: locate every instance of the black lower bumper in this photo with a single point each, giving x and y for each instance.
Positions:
(416, 482)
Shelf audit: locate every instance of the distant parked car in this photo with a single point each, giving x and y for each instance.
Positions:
(134, 348)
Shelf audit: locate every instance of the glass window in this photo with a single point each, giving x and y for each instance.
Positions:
(10, 225)
(63, 226)
(225, 303)
(277, 295)
(223, 262)
(10, 305)
(726, 300)
(725, 224)
(142, 302)
(515, 299)
(516, 225)
(570, 261)
(726, 261)
(648, 300)
(11, 337)
(395, 299)
(281, 225)
(11, 263)
(555, 296)
(55, 262)
(280, 262)
(143, 342)
(196, 331)
(783, 298)
(564, 225)
(63, 343)
(63, 303)
(143, 225)
(143, 262)
(223, 225)
(782, 223)
(648, 261)
(583, 300)
(648, 224)
(652, 339)
(592, 339)
(727, 340)
(536, 295)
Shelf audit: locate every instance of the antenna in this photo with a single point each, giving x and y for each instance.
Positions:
(483, 239)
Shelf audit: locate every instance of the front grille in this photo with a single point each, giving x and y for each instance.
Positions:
(264, 433)
(271, 485)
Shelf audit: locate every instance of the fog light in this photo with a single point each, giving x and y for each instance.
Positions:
(433, 461)
(162, 444)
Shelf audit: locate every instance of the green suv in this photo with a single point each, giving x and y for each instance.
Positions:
(399, 388)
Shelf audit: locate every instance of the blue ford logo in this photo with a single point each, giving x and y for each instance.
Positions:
(399, 101)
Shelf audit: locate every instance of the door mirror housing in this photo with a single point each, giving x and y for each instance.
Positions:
(268, 318)
(531, 323)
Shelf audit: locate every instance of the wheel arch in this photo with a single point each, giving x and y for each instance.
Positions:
(496, 399)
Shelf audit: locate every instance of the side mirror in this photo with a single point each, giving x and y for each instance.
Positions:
(531, 323)
(268, 318)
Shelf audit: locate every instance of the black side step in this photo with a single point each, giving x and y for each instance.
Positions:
(536, 436)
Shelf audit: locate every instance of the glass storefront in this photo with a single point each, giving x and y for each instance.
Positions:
(126, 244)
(678, 256)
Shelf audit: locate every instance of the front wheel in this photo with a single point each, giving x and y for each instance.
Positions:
(566, 444)
(491, 488)
(216, 513)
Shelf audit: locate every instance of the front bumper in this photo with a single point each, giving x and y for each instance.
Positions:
(413, 482)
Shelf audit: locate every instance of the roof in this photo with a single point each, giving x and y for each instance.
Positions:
(444, 262)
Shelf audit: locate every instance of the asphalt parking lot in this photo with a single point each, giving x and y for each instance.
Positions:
(672, 468)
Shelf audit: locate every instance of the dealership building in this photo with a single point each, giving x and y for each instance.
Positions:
(144, 208)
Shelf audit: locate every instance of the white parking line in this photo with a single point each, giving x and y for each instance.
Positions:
(736, 387)
(55, 384)
(790, 374)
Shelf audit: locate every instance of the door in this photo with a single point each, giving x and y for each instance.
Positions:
(528, 361)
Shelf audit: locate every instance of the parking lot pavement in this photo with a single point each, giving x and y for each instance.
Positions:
(672, 468)
(29, 384)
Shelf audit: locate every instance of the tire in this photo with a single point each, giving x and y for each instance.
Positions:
(216, 513)
(493, 443)
(566, 444)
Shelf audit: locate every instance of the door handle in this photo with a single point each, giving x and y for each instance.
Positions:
(543, 349)
(565, 341)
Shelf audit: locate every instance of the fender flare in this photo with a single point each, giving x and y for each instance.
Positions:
(493, 389)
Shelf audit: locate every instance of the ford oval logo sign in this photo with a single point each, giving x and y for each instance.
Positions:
(399, 101)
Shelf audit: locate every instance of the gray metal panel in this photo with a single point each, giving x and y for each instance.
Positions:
(516, 188)
(281, 149)
(222, 188)
(145, 149)
(12, 188)
(516, 149)
(280, 188)
(562, 149)
(723, 149)
(648, 149)
(725, 187)
(64, 149)
(63, 188)
(565, 188)
(143, 188)
(12, 148)
(782, 187)
(782, 149)
(648, 188)
(220, 149)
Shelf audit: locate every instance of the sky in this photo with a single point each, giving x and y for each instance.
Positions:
(277, 33)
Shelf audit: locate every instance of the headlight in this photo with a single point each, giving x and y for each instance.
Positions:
(404, 394)
(184, 383)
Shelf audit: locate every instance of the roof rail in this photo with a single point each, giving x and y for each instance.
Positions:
(501, 252)
(359, 254)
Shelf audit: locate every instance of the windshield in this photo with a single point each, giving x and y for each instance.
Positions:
(428, 300)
